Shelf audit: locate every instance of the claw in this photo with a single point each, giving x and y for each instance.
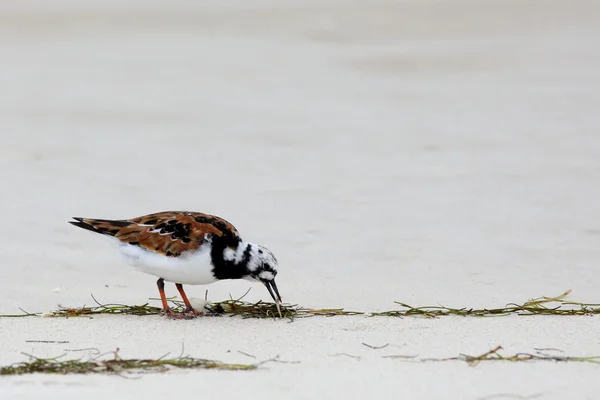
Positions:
(191, 311)
(184, 315)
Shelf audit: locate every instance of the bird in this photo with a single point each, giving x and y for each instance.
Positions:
(186, 247)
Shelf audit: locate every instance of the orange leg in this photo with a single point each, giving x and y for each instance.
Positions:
(188, 305)
(161, 289)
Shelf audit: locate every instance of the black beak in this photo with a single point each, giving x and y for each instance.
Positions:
(272, 288)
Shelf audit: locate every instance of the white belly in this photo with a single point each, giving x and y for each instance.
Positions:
(191, 269)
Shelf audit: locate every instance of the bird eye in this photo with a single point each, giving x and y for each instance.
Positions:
(260, 251)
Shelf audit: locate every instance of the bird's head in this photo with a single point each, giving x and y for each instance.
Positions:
(260, 265)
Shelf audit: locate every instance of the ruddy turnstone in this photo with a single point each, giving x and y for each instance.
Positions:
(188, 248)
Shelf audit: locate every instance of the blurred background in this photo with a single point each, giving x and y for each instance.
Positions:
(423, 151)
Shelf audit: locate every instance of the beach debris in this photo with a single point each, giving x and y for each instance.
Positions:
(357, 358)
(539, 306)
(558, 306)
(376, 347)
(232, 307)
(495, 355)
(48, 341)
(246, 354)
(115, 365)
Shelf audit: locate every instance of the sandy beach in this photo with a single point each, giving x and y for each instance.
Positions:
(429, 152)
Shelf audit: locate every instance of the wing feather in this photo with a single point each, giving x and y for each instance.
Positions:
(170, 233)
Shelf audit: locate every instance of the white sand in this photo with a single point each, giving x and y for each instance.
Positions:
(431, 152)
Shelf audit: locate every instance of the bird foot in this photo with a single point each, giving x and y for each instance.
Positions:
(187, 314)
(190, 310)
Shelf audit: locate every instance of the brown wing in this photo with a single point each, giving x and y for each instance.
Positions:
(170, 233)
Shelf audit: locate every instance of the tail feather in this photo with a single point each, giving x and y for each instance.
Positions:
(102, 226)
(79, 223)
